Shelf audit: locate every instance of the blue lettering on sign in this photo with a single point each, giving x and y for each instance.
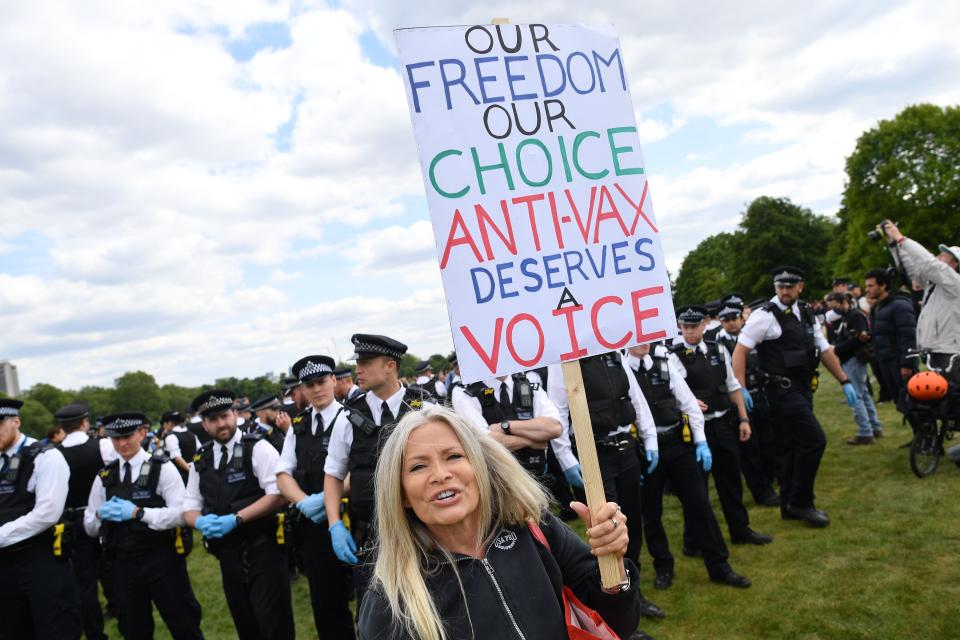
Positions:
(474, 273)
(618, 257)
(651, 262)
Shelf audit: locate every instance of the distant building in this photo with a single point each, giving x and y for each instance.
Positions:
(9, 384)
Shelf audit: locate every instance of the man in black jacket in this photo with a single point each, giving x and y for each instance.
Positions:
(850, 337)
(894, 333)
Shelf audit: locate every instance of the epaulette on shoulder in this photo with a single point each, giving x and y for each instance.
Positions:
(300, 416)
(356, 400)
(160, 457)
(416, 393)
(253, 436)
(34, 449)
(769, 306)
(475, 389)
(204, 448)
(676, 347)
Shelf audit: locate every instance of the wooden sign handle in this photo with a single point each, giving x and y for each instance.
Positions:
(611, 568)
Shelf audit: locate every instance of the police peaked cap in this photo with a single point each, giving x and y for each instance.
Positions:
(312, 367)
(265, 402)
(452, 358)
(731, 306)
(171, 416)
(343, 372)
(213, 401)
(9, 407)
(422, 367)
(367, 345)
(119, 425)
(787, 275)
(72, 413)
(693, 314)
(291, 382)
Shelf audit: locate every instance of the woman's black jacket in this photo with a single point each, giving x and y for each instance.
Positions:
(515, 591)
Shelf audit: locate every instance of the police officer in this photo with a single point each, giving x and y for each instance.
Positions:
(788, 338)
(516, 412)
(453, 378)
(706, 368)
(293, 394)
(39, 593)
(355, 446)
(232, 499)
(300, 478)
(429, 382)
(180, 444)
(758, 455)
(136, 505)
(272, 422)
(616, 404)
(683, 452)
(346, 389)
(86, 456)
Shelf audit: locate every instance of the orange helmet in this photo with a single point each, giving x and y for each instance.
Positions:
(926, 386)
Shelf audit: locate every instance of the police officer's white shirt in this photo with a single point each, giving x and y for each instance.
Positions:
(169, 487)
(731, 380)
(341, 440)
(77, 438)
(762, 326)
(172, 444)
(264, 460)
(49, 483)
(441, 388)
(469, 408)
(686, 401)
(557, 391)
(288, 457)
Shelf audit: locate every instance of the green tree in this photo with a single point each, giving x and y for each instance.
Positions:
(49, 396)
(99, 399)
(138, 391)
(704, 274)
(35, 419)
(907, 170)
(178, 398)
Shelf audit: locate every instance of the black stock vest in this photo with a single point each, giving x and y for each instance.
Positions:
(368, 440)
(752, 373)
(794, 354)
(188, 444)
(133, 536)
(430, 386)
(85, 462)
(520, 408)
(274, 436)
(706, 375)
(233, 489)
(15, 500)
(311, 450)
(655, 384)
(608, 393)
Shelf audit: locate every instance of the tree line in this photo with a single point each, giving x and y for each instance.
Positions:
(904, 169)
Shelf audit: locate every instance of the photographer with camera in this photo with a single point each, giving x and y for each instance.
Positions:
(938, 327)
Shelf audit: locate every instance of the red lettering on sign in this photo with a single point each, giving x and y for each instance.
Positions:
(540, 339)
(645, 314)
(595, 312)
(575, 350)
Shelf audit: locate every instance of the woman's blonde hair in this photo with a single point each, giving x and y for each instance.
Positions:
(508, 496)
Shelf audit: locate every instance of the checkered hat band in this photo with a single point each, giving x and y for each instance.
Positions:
(786, 276)
(728, 311)
(364, 347)
(215, 403)
(123, 423)
(8, 411)
(312, 369)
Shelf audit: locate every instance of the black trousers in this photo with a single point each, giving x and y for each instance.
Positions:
(86, 569)
(257, 586)
(155, 576)
(622, 478)
(889, 372)
(39, 596)
(678, 464)
(800, 443)
(329, 584)
(758, 455)
(723, 438)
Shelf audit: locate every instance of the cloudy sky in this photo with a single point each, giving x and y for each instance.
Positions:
(203, 189)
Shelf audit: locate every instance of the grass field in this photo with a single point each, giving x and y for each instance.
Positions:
(886, 567)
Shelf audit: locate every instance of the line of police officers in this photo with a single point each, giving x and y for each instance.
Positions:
(667, 414)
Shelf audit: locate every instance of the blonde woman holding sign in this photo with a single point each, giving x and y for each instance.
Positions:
(458, 521)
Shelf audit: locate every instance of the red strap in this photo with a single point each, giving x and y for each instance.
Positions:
(537, 534)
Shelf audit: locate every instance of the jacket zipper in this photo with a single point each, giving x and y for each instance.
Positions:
(503, 600)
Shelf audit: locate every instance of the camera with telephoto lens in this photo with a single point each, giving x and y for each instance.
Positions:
(877, 234)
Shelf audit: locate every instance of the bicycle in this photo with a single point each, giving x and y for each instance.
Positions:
(936, 419)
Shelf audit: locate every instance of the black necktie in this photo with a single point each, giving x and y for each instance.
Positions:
(223, 458)
(126, 474)
(319, 428)
(6, 459)
(386, 416)
(504, 399)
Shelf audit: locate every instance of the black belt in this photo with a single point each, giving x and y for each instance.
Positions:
(39, 540)
(619, 442)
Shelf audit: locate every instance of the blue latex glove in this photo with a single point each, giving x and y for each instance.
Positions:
(574, 476)
(653, 457)
(343, 544)
(312, 506)
(110, 510)
(747, 398)
(704, 457)
(851, 393)
(126, 508)
(220, 526)
(203, 524)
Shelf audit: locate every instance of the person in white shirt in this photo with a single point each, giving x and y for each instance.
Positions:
(300, 477)
(428, 381)
(233, 500)
(180, 444)
(136, 506)
(33, 489)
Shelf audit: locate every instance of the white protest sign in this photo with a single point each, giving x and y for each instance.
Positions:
(548, 246)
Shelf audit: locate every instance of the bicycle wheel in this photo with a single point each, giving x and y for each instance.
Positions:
(926, 449)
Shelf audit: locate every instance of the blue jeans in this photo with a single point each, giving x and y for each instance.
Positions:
(863, 412)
